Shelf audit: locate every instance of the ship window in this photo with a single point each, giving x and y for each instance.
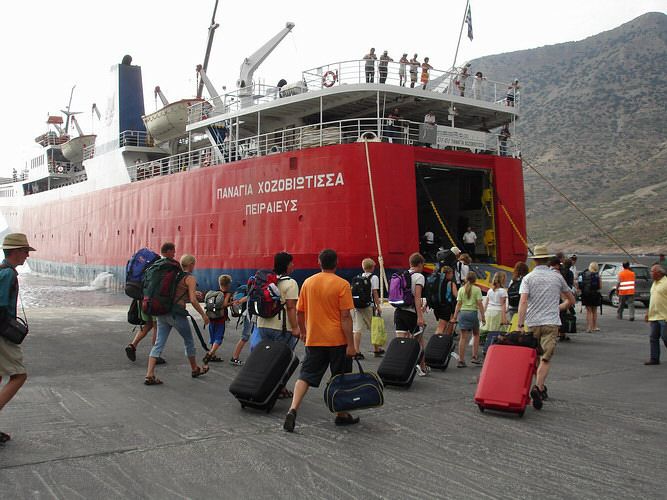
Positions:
(132, 231)
(118, 232)
(210, 226)
(90, 235)
(178, 228)
(152, 229)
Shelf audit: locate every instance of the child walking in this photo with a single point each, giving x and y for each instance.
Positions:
(219, 316)
(469, 305)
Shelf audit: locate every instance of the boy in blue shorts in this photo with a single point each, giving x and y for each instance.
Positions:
(218, 315)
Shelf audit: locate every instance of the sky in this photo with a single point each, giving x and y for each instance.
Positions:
(50, 46)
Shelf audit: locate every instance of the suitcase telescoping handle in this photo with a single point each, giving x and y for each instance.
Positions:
(198, 332)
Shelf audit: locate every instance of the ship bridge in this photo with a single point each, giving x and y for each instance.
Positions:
(336, 104)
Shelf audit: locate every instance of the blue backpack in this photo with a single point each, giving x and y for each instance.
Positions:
(134, 271)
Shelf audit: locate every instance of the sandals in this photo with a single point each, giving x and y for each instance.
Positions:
(152, 381)
(476, 361)
(461, 364)
(4, 437)
(199, 371)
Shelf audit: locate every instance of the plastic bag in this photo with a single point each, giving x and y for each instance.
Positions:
(378, 332)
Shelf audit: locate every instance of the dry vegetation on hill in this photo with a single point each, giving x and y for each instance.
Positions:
(595, 123)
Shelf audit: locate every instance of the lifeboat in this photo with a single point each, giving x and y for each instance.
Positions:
(169, 122)
(73, 149)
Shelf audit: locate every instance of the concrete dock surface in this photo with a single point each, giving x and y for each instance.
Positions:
(85, 426)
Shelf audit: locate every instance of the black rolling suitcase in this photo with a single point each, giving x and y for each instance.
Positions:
(266, 371)
(398, 366)
(438, 351)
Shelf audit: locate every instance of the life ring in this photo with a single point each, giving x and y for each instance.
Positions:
(329, 82)
(368, 137)
(275, 149)
(60, 169)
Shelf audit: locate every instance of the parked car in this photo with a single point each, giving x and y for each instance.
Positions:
(609, 278)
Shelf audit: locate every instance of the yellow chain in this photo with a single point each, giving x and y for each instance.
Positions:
(516, 230)
(437, 214)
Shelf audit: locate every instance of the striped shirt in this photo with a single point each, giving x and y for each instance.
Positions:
(543, 287)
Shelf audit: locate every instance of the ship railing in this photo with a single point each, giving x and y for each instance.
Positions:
(62, 168)
(89, 152)
(135, 138)
(439, 81)
(326, 134)
(354, 72)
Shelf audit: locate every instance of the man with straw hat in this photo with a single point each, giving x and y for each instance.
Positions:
(539, 308)
(16, 248)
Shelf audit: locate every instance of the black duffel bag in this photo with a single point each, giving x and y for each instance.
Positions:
(354, 391)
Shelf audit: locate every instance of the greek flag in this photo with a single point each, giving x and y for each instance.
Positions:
(469, 22)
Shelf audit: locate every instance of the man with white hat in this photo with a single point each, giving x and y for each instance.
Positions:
(16, 249)
(541, 291)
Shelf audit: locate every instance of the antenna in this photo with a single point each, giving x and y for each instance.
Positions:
(68, 108)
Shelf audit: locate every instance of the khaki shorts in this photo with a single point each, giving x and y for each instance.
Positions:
(547, 335)
(11, 358)
(361, 319)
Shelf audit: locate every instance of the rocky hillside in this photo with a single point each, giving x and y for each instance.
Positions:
(595, 123)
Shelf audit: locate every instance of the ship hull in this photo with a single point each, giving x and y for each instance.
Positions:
(235, 217)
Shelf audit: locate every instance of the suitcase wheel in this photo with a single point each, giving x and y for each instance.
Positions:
(521, 413)
(481, 408)
(242, 406)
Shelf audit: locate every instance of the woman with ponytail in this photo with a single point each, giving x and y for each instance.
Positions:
(469, 311)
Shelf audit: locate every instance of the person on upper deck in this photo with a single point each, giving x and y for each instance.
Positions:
(461, 81)
(478, 85)
(503, 137)
(382, 66)
(401, 70)
(414, 69)
(369, 67)
(425, 69)
(511, 93)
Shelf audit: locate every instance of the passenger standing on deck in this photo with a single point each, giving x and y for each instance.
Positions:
(425, 69)
(657, 313)
(382, 66)
(625, 288)
(589, 283)
(178, 318)
(478, 85)
(409, 320)
(468, 313)
(16, 249)
(414, 69)
(470, 242)
(539, 310)
(511, 92)
(369, 67)
(325, 323)
(168, 251)
(284, 327)
(461, 81)
(362, 317)
(504, 136)
(401, 70)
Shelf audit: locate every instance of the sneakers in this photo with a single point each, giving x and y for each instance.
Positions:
(652, 362)
(290, 421)
(420, 372)
(236, 362)
(476, 361)
(536, 396)
(379, 354)
(131, 352)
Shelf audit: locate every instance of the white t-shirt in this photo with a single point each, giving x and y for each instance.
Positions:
(494, 299)
(289, 290)
(416, 279)
(469, 237)
(429, 236)
(461, 270)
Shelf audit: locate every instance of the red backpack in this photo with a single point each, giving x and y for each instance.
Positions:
(264, 295)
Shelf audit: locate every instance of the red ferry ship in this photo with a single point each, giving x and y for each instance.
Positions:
(335, 159)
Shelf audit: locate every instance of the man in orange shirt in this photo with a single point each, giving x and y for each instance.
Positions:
(625, 288)
(325, 322)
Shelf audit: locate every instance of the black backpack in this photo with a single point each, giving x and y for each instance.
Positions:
(513, 295)
(433, 291)
(362, 294)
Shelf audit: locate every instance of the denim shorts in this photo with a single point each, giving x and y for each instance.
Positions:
(248, 325)
(277, 336)
(468, 320)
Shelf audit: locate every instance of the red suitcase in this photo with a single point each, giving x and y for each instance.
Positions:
(506, 378)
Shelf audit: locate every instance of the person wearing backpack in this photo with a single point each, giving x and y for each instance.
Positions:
(446, 301)
(168, 251)
(513, 295)
(409, 319)
(249, 324)
(216, 304)
(365, 289)
(461, 269)
(177, 317)
(282, 327)
(589, 283)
